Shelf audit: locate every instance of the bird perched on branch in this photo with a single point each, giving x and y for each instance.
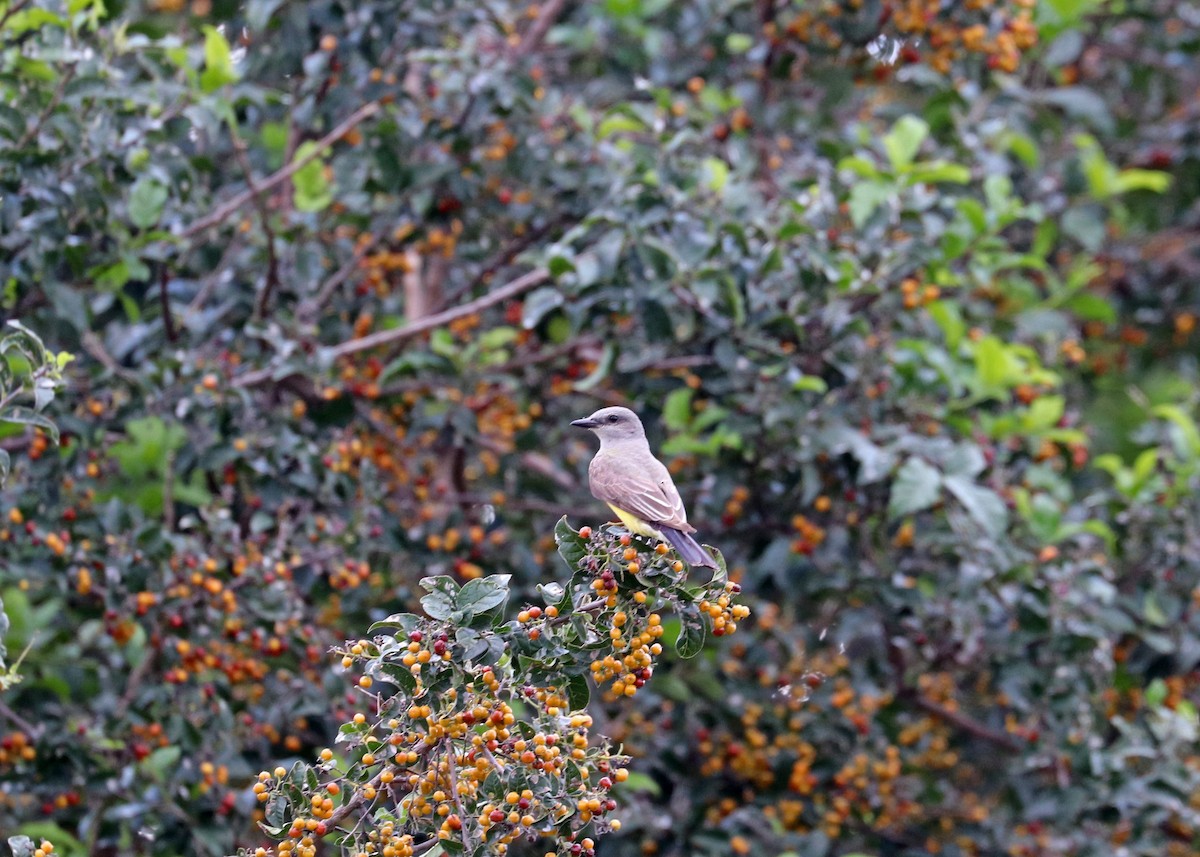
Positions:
(636, 485)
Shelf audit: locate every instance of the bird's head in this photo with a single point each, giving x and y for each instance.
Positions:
(613, 424)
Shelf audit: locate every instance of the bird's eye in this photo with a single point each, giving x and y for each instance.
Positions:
(614, 418)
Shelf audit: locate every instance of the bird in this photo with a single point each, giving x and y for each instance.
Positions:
(637, 486)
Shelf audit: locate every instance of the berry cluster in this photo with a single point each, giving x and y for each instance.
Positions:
(483, 737)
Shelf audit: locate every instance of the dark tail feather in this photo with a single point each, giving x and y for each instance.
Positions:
(688, 548)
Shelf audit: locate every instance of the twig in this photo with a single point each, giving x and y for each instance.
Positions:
(506, 255)
(168, 501)
(13, 9)
(585, 607)
(309, 307)
(537, 32)
(387, 337)
(19, 721)
(895, 656)
(59, 91)
(223, 211)
(264, 216)
(358, 800)
(685, 361)
(213, 279)
(965, 723)
(168, 320)
(453, 775)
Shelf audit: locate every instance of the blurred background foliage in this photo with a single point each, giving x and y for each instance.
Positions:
(906, 291)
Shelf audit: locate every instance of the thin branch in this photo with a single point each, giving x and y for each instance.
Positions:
(59, 91)
(533, 37)
(452, 773)
(358, 800)
(965, 723)
(168, 319)
(506, 255)
(264, 216)
(586, 607)
(388, 337)
(228, 208)
(311, 306)
(12, 9)
(19, 721)
(214, 278)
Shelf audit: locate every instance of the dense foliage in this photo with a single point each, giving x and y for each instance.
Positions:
(905, 290)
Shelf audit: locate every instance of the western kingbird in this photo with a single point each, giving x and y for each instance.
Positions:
(636, 486)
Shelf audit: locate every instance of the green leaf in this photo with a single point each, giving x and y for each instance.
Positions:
(984, 505)
(571, 546)
(146, 201)
(22, 415)
(21, 846)
(622, 8)
(1156, 693)
(904, 140)
(934, 172)
(312, 189)
(579, 693)
(693, 632)
(541, 302)
(483, 593)
(1091, 307)
(809, 384)
(860, 166)
(440, 602)
(161, 762)
(1044, 413)
(399, 675)
(642, 783)
(917, 486)
(218, 61)
(993, 363)
(947, 316)
(1190, 434)
(677, 409)
(603, 368)
(866, 197)
(716, 174)
(1155, 181)
(738, 43)
(404, 622)
(619, 123)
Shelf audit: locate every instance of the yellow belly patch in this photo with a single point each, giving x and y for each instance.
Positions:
(636, 525)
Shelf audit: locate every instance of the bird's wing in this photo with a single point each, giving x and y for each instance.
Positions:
(640, 485)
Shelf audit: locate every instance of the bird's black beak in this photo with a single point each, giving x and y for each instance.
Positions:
(584, 423)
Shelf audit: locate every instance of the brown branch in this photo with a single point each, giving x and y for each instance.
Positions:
(264, 216)
(506, 255)
(453, 775)
(55, 99)
(226, 209)
(895, 656)
(586, 607)
(168, 319)
(19, 721)
(12, 9)
(358, 800)
(309, 308)
(388, 337)
(214, 277)
(965, 723)
(537, 31)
